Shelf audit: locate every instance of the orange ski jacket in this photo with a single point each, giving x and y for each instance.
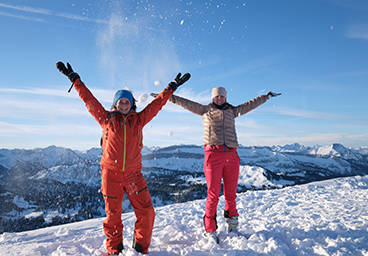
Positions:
(122, 135)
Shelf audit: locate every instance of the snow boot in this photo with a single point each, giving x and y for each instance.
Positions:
(137, 246)
(232, 224)
(212, 236)
(119, 249)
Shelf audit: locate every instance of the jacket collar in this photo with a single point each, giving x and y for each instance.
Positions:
(223, 106)
(116, 112)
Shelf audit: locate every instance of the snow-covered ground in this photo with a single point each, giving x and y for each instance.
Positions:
(320, 218)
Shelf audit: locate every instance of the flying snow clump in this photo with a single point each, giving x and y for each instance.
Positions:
(143, 98)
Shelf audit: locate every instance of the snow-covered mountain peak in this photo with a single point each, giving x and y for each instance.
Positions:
(334, 149)
(360, 150)
(340, 148)
(295, 147)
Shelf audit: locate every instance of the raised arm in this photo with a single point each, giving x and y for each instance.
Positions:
(252, 104)
(93, 105)
(160, 100)
(192, 106)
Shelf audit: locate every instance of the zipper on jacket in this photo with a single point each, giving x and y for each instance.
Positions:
(223, 127)
(124, 153)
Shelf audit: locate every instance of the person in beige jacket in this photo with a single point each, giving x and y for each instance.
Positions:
(221, 159)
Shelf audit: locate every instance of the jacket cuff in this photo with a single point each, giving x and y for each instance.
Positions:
(172, 86)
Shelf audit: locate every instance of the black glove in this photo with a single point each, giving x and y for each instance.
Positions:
(179, 80)
(68, 72)
(272, 94)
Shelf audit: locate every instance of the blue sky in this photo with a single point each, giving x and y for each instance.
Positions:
(314, 52)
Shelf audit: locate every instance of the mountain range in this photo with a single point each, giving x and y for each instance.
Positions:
(54, 185)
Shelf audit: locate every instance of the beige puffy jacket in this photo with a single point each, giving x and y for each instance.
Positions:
(219, 124)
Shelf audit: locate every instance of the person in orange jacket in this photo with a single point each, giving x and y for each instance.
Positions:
(121, 161)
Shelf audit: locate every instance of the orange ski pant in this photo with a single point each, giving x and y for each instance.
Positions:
(113, 185)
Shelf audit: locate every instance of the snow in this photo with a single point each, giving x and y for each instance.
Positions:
(253, 176)
(78, 173)
(142, 98)
(319, 218)
(360, 150)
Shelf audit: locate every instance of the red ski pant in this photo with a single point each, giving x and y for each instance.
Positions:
(113, 185)
(220, 162)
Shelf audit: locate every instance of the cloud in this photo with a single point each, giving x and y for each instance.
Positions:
(305, 113)
(8, 129)
(38, 91)
(59, 91)
(72, 135)
(250, 123)
(187, 92)
(44, 12)
(254, 66)
(21, 17)
(40, 110)
(39, 104)
(357, 5)
(358, 32)
(27, 9)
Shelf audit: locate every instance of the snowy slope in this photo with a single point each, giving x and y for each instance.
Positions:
(320, 218)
